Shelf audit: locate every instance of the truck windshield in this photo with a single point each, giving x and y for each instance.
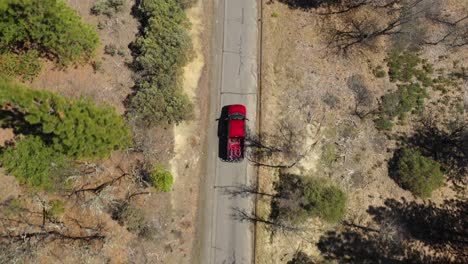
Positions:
(237, 116)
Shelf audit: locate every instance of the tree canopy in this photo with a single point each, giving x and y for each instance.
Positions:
(48, 26)
(161, 52)
(419, 174)
(77, 128)
(34, 163)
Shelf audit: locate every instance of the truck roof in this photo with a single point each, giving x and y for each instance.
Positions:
(236, 128)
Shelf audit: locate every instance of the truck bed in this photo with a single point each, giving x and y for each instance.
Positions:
(235, 148)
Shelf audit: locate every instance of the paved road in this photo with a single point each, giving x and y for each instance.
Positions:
(224, 238)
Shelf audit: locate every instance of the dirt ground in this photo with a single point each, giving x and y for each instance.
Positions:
(188, 163)
(180, 149)
(296, 61)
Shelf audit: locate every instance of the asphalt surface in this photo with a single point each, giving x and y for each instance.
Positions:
(226, 239)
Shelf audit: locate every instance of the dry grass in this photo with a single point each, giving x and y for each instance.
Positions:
(297, 61)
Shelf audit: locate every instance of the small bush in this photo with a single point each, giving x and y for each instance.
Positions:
(33, 163)
(379, 72)
(107, 7)
(26, 65)
(382, 123)
(301, 258)
(121, 52)
(101, 25)
(134, 219)
(441, 88)
(97, 66)
(324, 200)
(110, 50)
(418, 174)
(274, 14)
(331, 100)
(304, 197)
(148, 231)
(161, 179)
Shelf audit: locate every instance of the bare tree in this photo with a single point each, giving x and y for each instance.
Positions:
(345, 6)
(364, 28)
(456, 29)
(283, 148)
(23, 230)
(363, 31)
(363, 97)
(96, 190)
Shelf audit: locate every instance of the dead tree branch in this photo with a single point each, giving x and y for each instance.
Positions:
(286, 144)
(99, 188)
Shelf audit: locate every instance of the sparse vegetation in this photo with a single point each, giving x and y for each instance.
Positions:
(397, 104)
(413, 76)
(26, 65)
(12, 207)
(328, 154)
(50, 27)
(107, 7)
(419, 174)
(408, 67)
(416, 94)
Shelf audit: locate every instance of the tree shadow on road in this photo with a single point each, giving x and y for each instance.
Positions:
(308, 4)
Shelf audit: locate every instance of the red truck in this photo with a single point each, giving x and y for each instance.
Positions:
(235, 119)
